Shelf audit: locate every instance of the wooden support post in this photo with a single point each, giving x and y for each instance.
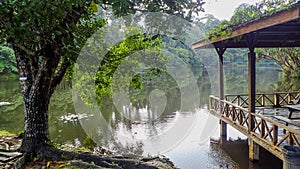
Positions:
(253, 147)
(251, 87)
(250, 39)
(223, 130)
(220, 52)
(253, 150)
(285, 164)
(223, 125)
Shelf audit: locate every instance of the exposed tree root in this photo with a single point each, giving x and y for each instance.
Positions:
(87, 160)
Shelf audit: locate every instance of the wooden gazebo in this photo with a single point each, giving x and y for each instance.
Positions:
(278, 30)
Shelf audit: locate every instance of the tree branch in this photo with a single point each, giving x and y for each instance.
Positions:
(60, 74)
(24, 68)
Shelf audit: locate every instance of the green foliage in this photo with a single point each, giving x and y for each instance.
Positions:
(59, 29)
(221, 30)
(287, 58)
(207, 23)
(89, 143)
(244, 13)
(134, 41)
(7, 60)
(182, 8)
(153, 76)
(6, 133)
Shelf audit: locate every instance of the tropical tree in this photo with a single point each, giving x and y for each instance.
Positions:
(287, 58)
(8, 63)
(208, 22)
(47, 36)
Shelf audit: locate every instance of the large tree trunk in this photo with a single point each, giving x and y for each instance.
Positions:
(36, 79)
(36, 134)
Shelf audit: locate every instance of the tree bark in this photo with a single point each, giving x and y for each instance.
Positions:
(36, 90)
(36, 132)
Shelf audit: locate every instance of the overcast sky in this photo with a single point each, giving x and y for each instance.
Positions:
(223, 9)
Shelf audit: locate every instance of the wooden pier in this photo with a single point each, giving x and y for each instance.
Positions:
(279, 30)
(271, 131)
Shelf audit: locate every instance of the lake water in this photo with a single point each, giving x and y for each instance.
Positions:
(184, 137)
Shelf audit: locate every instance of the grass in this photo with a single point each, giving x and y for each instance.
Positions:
(7, 133)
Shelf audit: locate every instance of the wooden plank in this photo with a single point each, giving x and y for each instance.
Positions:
(289, 121)
(295, 107)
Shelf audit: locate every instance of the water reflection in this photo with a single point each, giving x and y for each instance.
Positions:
(136, 129)
(236, 79)
(238, 150)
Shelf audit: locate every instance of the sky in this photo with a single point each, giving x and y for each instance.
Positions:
(223, 9)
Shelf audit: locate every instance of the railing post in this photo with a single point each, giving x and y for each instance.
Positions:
(289, 98)
(275, 134)
(276, 100)
(241, 116)
(290, 139)
(262, 134)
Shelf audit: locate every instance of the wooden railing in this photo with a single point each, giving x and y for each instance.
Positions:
(268, 133)
(263, 99)
(231, 112)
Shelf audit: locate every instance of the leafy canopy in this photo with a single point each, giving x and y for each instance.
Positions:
(58, 29)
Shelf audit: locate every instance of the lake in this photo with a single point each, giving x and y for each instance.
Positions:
(186, 137)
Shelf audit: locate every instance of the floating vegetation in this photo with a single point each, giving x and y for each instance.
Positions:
(5, 103)
(74, 117)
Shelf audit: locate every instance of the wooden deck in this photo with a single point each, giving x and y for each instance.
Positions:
(271, 127)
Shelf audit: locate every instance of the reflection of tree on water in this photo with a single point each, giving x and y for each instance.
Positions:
(205, 87)
(139, 113)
